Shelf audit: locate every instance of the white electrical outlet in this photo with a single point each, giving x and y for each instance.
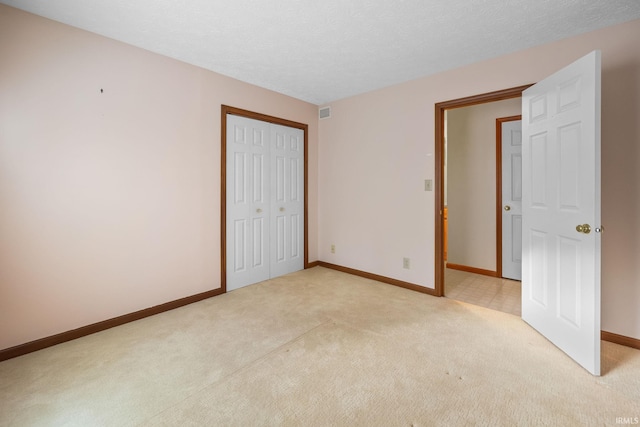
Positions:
(333, 249)
(406, 263)
(428, 185)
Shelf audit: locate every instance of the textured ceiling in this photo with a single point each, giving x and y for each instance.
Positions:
(320, 51)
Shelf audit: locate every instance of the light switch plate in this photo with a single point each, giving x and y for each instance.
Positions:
(428, 185)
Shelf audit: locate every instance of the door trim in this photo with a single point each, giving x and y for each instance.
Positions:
(225, 109)
(499, 122)
(440, 108)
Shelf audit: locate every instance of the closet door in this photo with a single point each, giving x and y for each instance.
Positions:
(264, 201)
(287, 200)
(248, 201)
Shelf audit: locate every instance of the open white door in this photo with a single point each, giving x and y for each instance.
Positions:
(561, 209)
(511, 199)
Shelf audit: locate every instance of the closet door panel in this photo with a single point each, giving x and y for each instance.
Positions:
(247, 210)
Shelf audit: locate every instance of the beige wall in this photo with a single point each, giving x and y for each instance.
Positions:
(110, 202)
(471, 187)
(377, 149)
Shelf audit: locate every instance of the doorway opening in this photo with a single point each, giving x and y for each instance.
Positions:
(442, 212)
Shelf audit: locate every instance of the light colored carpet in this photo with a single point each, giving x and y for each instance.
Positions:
(318, 348)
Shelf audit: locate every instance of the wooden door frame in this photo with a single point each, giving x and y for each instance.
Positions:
(499, 122)
(225, 110)
(440, 108)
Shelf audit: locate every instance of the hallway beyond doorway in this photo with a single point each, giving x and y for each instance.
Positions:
(490, 292)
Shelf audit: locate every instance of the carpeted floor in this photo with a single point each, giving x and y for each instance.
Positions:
(318, 348)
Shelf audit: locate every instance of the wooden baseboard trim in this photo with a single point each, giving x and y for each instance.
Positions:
(620, 339)
(472, 270)
(378, 278)
(312, 264)
(42, 343)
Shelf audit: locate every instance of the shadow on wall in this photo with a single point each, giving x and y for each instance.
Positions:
(620, 192)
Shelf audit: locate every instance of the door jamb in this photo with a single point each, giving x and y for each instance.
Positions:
(225, 110)
(440, 108)
(499, 122)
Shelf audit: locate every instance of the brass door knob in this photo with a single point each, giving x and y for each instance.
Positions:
(507, 208)
(583, 228)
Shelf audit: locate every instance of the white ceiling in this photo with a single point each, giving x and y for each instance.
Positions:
(323, 50)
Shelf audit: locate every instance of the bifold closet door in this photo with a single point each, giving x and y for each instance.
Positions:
(264, 202)
(247, 223)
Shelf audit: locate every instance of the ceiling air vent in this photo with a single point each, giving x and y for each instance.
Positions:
(325, 112)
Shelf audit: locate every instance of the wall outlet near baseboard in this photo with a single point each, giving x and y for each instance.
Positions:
(406, 263)
(333, 249)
